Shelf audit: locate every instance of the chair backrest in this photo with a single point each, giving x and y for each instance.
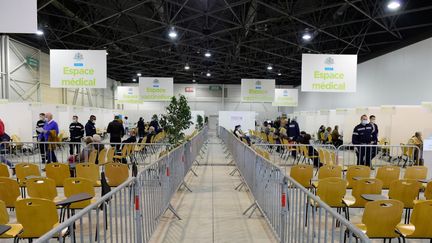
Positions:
(110, 155)
(420, 218)
(26, 169)
(131, 148)
(428, 191)
(76, 185)
(41, 188)
(36, 215)
(88, 171)
(330, 157)
(331, 190)
(102, 156)
(4, 170)
(4, 215)
(321, 155)
(9, 191)
(356, 171)
(302, 174)
(365, 186)
(381, 218)
(124, 150)
(405, 190)
(387, 174)
(327, 171)
(93, 156)
(416, 172)
(58, 172)
(116, 173)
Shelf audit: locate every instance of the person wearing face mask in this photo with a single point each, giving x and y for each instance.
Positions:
(49, 133)
(90, 128)
(239, 133)
(362, 135)
(374, 151)
(76, 131)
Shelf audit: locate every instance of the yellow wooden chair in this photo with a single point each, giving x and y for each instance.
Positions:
(42, 188)
(363, 186)
(406, 191)
(116, 173)
(15, 229)
(58, 172)
(4, 170)
(380, 219)
(24, 170)
(332, 191)
(416, 172)
(356, 171)
(302, 174)
(90, 172)
(428, 191)
(327, 171)
(124, 153)
(387, 174)
(93, 156)
(110, 155)
(420, 223)
(37, 216)
(76, 185)
(9, 191)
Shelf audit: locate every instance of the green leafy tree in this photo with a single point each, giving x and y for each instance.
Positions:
(176, 119)
(199, 122)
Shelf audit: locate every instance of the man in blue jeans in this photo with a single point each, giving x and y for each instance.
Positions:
(50, 125)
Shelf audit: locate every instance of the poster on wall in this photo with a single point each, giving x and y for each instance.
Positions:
(156, 89)
(128, 95)
(329, 73)
(78, 69)
(18, 16)
(286, 97)
(257, 90)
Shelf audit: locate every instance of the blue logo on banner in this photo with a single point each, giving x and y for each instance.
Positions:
(329, 62)
(156, 83)
(78, 60)
(258, 85)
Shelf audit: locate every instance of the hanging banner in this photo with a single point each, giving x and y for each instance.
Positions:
(128, 95)
(156, 89)
(257, 90)
(329, 73)
(18, 16)
(78, 69)
(286, 97)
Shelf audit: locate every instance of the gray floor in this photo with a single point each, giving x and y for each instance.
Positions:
(213, 212)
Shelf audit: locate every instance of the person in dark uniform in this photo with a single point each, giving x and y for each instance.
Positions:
(293, 130)
(154, 123)
(374, 151)
(76, 131)
(116, 131)
(90, 128)
(39, 127)
(362, 135)
(141, 127)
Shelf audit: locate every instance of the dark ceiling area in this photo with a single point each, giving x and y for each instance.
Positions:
(244, 37)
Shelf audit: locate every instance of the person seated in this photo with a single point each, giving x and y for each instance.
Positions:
(84, 155)
(132, 137)
(320, 133)
(150, 133)
(417, 140)
(239, 133)
(305, 139)
(336, 137)
(97, 145)
(327, 135)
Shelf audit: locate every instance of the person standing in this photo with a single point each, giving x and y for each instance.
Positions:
(90, 128)
(362, 135)
(141, 127)
(417, 140)
(116, 131)
(48, 133)
(76, 131)
(374, 150)
(126, 125)
(293, 130)
(39, 127)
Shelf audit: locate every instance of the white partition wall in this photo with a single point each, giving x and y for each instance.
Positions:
(230, 119)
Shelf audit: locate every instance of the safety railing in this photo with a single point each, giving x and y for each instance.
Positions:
(292, 211)
(132, 211)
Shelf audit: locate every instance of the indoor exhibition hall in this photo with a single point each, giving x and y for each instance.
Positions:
(215, 121)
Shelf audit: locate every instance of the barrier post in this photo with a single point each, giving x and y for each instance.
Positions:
(284, 205)
(138, 212)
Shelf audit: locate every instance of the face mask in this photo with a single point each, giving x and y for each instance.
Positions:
(364, 122)
(46, 119)
(94, 121)
(75, 120)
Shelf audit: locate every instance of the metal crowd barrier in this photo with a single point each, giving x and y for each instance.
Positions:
(292, 211)
(132, 211)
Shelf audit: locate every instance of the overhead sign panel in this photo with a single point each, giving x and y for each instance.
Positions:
(329, 73)
(257, 90)
(286, 97)
(78, 69)
(128, 95)
(156, 88)
(18, 16)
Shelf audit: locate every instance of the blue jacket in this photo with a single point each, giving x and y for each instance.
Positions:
(48, 127)
(362, 134)
(293, 130)
(90, 129)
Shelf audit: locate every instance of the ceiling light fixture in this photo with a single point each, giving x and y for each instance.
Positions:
(134, 79)
(139, 74)
(208, 74)
(172, 33)
(207, 54)
(279, 73)
(39, 32)
(193, 81)
(393, 5)
(187, 67)
(269, 67)
(306, 36)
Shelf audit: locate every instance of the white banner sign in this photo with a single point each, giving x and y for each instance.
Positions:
(78, 69)
(128, 95)
(329, 73)
(285, 97)
(156, 89)
(18, 16)
(257, 90)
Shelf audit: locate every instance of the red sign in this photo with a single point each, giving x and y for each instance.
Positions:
(189, 90)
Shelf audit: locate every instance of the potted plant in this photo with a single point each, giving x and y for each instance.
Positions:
(176, 119)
